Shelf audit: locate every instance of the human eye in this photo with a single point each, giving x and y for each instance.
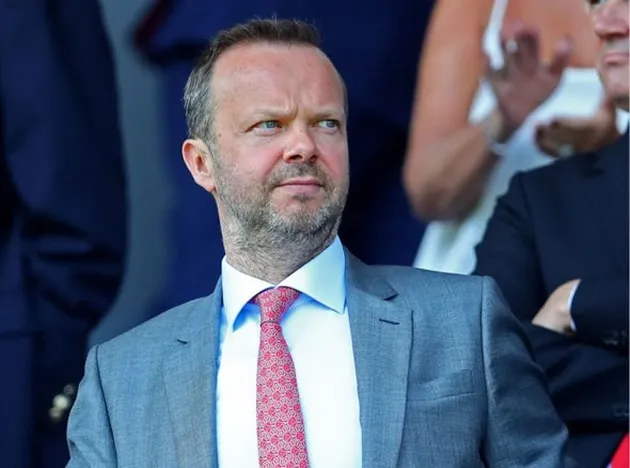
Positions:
(329, 124)
(268, 125)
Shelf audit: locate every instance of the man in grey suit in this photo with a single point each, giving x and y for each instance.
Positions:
(303, 356)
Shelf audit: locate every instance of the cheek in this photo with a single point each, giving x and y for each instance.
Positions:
(335, 158)
(257, 158)
(619, 84)
(616, 78)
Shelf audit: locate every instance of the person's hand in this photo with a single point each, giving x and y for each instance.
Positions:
(563, 137)
(555, 315)
(524, 82)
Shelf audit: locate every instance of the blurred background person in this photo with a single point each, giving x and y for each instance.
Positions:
(62, 216)
(474, 127)
(557, 245)
(375, 46)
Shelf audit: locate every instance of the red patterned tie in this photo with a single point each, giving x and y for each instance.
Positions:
(281, 440)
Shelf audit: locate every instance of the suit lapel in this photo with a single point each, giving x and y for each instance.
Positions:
(190, 377)
(381, 339)
(606, 187)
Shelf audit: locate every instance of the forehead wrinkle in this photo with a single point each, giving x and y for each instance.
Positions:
(267, 75)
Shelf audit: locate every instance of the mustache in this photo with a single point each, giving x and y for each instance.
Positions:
(290, 171)
(617, 45)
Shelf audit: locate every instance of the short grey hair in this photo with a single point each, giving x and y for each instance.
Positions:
(198, 102)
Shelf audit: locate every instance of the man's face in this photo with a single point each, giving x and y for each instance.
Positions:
(280, 159)
(611, 23)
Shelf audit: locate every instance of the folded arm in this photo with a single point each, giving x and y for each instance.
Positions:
(600, 311)
(586, 382)
(585, 379)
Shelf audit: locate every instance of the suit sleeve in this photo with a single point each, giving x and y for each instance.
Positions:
(62, 148)
(508, 253)
(90, 437)
(600, 311)
(523, 428)
(588, 383)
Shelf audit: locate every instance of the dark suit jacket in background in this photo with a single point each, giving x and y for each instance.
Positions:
(559, 223)
(376, 46)
(62, 213)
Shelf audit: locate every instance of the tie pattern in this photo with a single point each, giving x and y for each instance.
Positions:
(279, 423)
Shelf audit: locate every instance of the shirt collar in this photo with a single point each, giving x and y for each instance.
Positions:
(322, 279)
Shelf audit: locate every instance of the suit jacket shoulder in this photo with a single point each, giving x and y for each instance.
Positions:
(409, 280)
(561, 174)
(436, 298)
(149, 340)
(418, 285)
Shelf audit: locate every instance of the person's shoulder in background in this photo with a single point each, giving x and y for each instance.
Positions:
(564, 172)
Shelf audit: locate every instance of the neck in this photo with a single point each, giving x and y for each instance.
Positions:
(273, 258)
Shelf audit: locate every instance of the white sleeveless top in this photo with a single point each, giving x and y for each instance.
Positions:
(449, 246)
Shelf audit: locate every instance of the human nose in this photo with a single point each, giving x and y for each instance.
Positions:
(301, 146)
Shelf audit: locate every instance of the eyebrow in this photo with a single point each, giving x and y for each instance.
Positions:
(270, 112)
(330, 113)
(277, 113)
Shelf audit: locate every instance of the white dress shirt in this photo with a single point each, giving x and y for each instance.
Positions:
(317, 331)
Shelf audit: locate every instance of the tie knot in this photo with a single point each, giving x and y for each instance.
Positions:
(274, 303)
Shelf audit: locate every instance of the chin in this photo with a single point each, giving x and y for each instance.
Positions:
(620, 95)
(299, 203)
(617, 86)
(296, 209)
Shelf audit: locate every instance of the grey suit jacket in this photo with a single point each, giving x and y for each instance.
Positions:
(444, 375)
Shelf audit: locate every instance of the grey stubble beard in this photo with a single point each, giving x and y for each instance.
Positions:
(265, 244)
